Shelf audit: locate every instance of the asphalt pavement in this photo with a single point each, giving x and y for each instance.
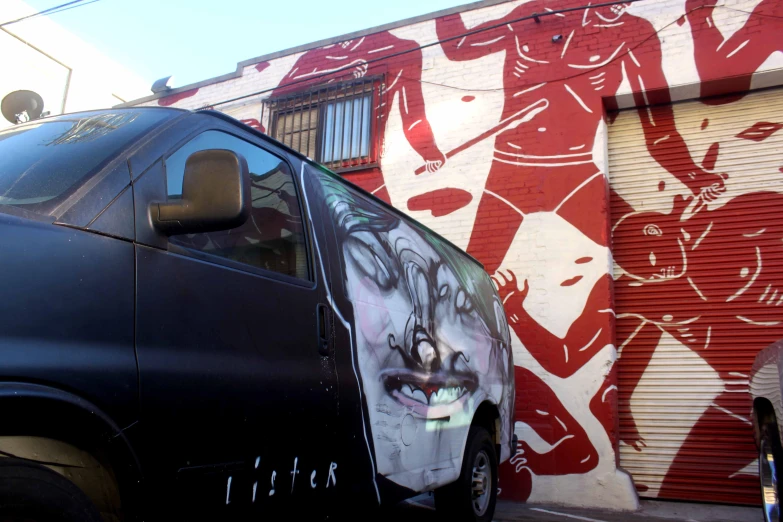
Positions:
(421, 509)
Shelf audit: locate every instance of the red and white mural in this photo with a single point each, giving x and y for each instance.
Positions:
(497, 139)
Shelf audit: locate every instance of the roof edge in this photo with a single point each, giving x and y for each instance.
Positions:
(314, 45)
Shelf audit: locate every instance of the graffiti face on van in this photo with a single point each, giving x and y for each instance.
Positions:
(420, 325)
(430, 332)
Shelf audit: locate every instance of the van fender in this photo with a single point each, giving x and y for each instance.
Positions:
(47, 417)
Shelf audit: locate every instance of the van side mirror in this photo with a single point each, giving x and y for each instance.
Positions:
(215, 195)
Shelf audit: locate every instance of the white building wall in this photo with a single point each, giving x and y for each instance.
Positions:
(70, 75)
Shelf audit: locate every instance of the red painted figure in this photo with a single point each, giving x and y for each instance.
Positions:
(733, 60)
(554, 90)
(571, 450)
(560, 85)
(719, 305)
(402, 82)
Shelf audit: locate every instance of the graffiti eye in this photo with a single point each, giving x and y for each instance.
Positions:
(372, 262)
(382, 266)
(652, 230)
(463, 302)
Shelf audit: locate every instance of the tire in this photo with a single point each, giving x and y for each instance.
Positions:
(464, 501)
(770, 471)
(30, 492)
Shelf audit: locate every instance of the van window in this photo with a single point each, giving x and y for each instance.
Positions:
(44, 161)
(273, 237)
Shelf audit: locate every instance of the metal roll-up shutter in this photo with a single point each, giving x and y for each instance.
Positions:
(698, 289)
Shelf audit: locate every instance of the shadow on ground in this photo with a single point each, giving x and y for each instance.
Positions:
(421, 509)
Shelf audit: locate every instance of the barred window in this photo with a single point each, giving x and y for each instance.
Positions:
(333, 124)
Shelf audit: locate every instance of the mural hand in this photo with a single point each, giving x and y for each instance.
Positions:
(635, 440)
(360, 70)
(710, 186)
(435, 163)
(519, 460)
(508, 285)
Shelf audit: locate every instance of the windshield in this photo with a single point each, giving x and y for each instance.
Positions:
(44, 161)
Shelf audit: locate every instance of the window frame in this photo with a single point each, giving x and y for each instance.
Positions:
(319, 97)
(200, 255)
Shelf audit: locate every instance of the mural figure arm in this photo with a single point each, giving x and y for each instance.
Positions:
(743, 51)
(707, 39)
(480, 43)
(559, 356)
(660, 132)
(415, 125)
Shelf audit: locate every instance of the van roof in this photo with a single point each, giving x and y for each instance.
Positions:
(365, 193)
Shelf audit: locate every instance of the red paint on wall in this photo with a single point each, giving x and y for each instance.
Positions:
(727, 64)
(174, 98)
(441, 202)
(543, 162)
(572, 281)
(527, 158)
(712, 306)
(252, 122)
(711, 157)
(350, 59)
(538, 407)
(760, 131)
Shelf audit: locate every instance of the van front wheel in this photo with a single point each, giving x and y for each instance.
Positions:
(473, 496)
(30, 492)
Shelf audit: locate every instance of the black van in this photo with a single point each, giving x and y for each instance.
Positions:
(197, 320)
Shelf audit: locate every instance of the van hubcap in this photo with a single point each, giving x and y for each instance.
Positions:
(482, 483)
(769, 482)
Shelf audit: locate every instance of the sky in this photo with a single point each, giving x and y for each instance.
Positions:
(199, 39)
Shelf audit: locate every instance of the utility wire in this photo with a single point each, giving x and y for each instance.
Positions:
(52, 10)
(75, 6)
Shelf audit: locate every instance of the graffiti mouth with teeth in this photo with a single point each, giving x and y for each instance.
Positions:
(433, 396)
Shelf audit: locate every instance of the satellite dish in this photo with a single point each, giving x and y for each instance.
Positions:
(22, 106)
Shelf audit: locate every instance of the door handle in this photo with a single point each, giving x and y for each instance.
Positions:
(323, 330)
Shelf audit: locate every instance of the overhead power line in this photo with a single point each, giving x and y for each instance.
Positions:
(52, 10)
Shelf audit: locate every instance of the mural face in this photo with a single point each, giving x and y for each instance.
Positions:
(430, 333)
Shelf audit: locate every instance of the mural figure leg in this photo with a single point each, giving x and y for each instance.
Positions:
(715, 423)
(496, 220)
(604, 405)
(553, 442)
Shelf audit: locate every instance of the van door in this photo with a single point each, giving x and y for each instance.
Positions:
(237, 380)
